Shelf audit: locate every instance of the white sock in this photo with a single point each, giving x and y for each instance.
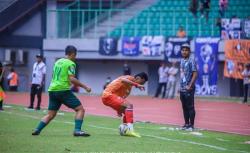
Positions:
(130, 126)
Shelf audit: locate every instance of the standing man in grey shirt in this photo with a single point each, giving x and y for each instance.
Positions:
(188, 72)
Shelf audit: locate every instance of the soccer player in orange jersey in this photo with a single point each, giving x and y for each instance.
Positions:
(116, 93)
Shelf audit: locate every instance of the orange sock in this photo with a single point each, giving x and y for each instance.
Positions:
(128, 115)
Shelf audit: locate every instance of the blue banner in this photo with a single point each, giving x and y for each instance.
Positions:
(231, 28)
(130, 46)
(206, 52)
(108, 46)
(173, 48)
(152, 45)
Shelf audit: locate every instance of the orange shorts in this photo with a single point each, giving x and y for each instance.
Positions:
(113, 101)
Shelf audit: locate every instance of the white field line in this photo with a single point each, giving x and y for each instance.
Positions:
(151, 136)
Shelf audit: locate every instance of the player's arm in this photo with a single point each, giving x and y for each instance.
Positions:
(43, 76)
(76, 82)
(137, 85)
(194, 77)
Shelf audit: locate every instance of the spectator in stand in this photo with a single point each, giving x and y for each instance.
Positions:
(172, 73)
(246, 81)
(194, 4)
(204, 9)
(163, 78)
(181, 32)
(126, 69)
(222, 7)
(13, 80)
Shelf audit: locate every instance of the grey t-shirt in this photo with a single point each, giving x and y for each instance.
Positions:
(187, 67)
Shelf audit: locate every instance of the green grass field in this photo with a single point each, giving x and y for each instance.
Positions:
(16, 125)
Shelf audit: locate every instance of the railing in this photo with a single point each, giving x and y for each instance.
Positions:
(80, 23)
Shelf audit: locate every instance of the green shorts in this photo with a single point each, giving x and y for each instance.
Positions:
(57, 98)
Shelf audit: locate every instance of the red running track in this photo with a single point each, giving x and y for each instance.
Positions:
(216, 116)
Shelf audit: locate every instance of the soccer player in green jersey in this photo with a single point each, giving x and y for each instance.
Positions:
(60, 93)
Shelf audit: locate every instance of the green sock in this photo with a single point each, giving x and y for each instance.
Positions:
(78, 124)
(40, 126)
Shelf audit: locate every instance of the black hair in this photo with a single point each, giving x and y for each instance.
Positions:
(70, 49)
(142, 75)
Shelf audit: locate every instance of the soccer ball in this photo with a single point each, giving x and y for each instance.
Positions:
(123, 128)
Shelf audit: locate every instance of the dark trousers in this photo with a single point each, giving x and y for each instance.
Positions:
(245, 92)
(187, 100)
(35, 90)
(1, 104)
(13, 88)
(159, 89)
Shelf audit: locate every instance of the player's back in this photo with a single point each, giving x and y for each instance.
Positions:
(118, 87)
(61, 71)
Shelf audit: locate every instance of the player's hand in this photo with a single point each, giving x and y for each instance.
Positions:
(188, 87)
(119, 114)
(141, 87)
(88, 89)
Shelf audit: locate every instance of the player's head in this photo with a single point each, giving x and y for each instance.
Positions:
(70, 52)
(185, 50)
(39, 58)
(12, 69)
(141, 78)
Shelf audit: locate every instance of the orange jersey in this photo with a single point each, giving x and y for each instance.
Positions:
(118, 87)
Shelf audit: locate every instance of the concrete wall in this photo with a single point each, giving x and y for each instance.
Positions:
(33, 27)
(95, 72)
(24, 71)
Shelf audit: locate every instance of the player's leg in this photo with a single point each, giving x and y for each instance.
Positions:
(39, 97)
(32, 96)
(2, 95)
(158, 90)
(245, 93)
(1, 105)
(164, 89)
(185, 109)
(191, 109)
(54, 106)
(128, 118)
(71, 101)
(44, 121)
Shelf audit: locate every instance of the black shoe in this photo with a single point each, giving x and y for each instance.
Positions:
(1, 109)
(38, 108)
(190, 128)
(36, 132)
(81, 134)
(30, 107)
(243, 102)
(184, 127)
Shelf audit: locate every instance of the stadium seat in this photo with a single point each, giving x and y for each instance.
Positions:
(160, 16)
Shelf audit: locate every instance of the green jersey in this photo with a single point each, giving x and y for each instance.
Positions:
(63, 68)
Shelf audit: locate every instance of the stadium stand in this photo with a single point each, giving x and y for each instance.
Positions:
(165, 17)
